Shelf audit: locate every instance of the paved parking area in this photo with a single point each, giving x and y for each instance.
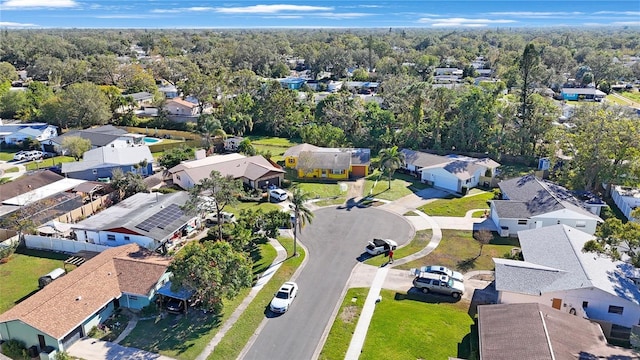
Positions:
(92, 349)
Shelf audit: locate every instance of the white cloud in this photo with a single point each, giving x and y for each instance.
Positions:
(270, 9)
(339, 16)
(463, 22)
(629, 13)
(626, 23)
(10, 24)
(283, 17)
(181, 10)
(31, 4)
(537, 14)
(126, 16)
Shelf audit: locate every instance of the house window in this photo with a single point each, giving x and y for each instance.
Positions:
(585, 304)
(581, 224)
(133, 297)
(616, 309)
(94, 171)
(178, 177)
(558, 222)
(126, 238)
(291, 160)
(111, 237)
(522, 222)
(337, 172)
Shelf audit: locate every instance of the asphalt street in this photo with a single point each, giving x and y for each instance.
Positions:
(335, 239)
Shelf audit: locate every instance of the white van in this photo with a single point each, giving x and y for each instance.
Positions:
(227, 217)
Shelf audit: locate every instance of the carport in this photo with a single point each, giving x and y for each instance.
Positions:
(182, 295)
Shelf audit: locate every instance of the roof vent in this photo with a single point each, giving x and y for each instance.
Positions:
(79, 298)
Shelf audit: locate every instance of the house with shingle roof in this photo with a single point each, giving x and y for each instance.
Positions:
(317, 162)
(254, 171)
(539, 332)
(100, 163)
(529, 202)
(154, 221)
(557, 273)
(452, 172)
(69, 307)
(18, 132)
(102, 136)
(178, 106)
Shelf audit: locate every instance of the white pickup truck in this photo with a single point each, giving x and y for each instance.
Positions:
(379, 246)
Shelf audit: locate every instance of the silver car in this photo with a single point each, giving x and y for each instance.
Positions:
(441, 284)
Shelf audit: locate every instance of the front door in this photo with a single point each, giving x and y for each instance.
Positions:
(556, 303)
(41, 342)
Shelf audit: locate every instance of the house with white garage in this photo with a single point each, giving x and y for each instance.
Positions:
(254, 171)
(102, 136)
(68, 308)
(154, 221)
(99, 163)
(452, 172)
(530, 202)
(557, 273)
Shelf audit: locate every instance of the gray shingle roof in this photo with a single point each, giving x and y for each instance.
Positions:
(309, 160)
(109, 157)
(540, 197)
(422, 159)
(554, 261)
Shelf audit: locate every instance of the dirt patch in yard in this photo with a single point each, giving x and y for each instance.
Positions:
(349, 314)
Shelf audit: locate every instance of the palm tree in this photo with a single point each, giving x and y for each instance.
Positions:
(391, 159)
(301, 214)
(210, 127)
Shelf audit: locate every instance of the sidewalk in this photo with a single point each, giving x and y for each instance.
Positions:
(11, 175)
(266, 276)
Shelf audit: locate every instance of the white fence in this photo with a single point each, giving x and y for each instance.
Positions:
(625, 205)
(59, 244)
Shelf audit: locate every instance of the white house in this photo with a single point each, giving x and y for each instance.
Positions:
(150, 220)
(254, 171)
(107, 135)
(556, 272)
(100, 163)
(626, 198)
(452, 172)
(529, 202)
(232, 143)
(178, 106)
(17, 133)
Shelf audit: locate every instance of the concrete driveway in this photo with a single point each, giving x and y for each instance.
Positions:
(415, 200)
(335, 240)
(89, 348)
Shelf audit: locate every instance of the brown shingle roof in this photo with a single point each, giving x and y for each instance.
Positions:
(68, 301)
(30, 181)
(252, 168)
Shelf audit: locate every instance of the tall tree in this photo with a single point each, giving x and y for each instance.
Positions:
(209, 127)
(174, 156)
(76, 146)
(127, 184)
(529, 66)
(390, 160)
(302, 215)
(212, 270)
(615, 239)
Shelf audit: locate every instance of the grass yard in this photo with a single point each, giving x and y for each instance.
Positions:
(457, 206)
(633, 96)
(185, 337)
(331, 202)
(237, 337)
(265, 206)
(275, 145)
(344, 325)
(514, 170)
(19, 276)
(401, 185)
(406, 327)
(419, 242)
(319, 190)
(45, 163)
(12, 170)
(458, 250)
(615, 100)
(7, 155)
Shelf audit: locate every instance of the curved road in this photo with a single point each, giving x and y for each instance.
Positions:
(334, 240)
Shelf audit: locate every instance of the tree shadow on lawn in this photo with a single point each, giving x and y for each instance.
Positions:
(467, 264)
(173, 332)
(417, 295)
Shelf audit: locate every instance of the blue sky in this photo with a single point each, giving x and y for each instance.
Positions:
(315, 14)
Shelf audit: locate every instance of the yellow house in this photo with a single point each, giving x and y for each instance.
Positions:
(327, 163)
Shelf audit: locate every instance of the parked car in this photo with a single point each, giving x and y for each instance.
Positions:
(284, 297)
(441, 270)
(35, 155)
(441, 284)
(379, 246)
(278, 195)
(227, 217)
(20, 155)
(175, 306)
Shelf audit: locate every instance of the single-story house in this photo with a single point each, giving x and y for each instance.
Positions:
(448, 71)
(178, 106)
(536, 331)
(153, 221)
(452, 172)
(557, 273)
(254, 171)
(292, 83)
(100, 163)
(590, 94)
(107, 135)
(232, 143)
(141, 98)
(17, 133)
(169, 91)
(529, 202)
(69, 307)
(328, 163)
(626, 198)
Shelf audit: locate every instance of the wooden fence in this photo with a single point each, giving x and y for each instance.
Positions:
(85, 210)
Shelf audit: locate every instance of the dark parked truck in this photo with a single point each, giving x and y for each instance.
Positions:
(47, 279)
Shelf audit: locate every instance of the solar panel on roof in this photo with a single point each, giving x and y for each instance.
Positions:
(162, 218)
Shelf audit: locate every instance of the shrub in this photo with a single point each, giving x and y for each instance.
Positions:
(62, 356)
(15, 349)
(285, 184)
(165, 190)
(149, 310)
(6, 252)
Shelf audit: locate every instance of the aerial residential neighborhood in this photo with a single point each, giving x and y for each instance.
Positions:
(318, 180)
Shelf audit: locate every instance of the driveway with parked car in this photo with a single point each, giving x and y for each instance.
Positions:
(335, 240)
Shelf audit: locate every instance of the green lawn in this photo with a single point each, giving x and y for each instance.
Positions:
(265, 206)
(402, 327)
(330, 202)
(633, 96)
(275, 145)
(7, 155)
(401, 185)
(458, 251)
(419, 242)
(457, 206)
(185, 337)
(12, 169)
(514, 170)
(613, 99)
(33, 165)
(344, 325)
(320, 190)
(19, 276)
(238, 336)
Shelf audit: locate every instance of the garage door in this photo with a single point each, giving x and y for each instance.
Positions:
(447, 183)
(358, 171)
(72, 337)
